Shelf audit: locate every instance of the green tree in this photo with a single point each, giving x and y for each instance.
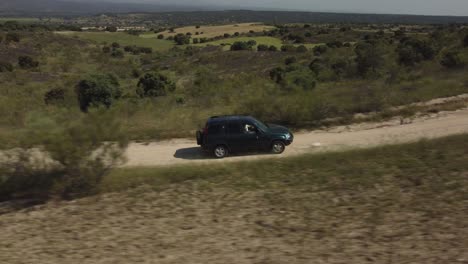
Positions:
(369, 58)
(154, 84)
(98, 89)
(316, 66)
(182, 39)
(111, 29)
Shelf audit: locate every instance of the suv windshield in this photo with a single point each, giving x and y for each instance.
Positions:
(260, 125)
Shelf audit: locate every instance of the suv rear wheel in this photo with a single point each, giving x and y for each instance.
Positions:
(277, 147)
(220, 151)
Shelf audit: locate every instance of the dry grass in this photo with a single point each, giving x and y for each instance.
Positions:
(398, 204)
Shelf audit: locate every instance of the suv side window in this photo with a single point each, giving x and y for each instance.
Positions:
(216, 129)
(234, 127)
(248, 127)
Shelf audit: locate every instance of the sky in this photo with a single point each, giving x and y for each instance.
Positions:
(420, 7)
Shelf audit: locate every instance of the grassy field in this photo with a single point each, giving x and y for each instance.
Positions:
(123, 39)
(214, 31)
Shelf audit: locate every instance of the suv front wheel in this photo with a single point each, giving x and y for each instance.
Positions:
(278, 147)
(220, 151)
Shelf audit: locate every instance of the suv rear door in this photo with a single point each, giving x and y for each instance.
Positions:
(215, 134)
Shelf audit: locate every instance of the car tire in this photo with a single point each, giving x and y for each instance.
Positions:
(278, 147)
(220, 151)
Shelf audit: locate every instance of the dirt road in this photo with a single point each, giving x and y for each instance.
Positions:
(185, 151)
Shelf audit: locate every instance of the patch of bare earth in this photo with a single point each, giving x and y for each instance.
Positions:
(197, 222)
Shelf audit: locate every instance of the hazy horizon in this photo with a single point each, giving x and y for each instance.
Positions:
(417, 7)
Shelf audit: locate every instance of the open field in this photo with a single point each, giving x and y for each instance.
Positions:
(353, 207)
(123, 39)
(214, 31)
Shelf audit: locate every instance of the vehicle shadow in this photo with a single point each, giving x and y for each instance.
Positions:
(194, 153)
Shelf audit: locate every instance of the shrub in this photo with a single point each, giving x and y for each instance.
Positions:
(6, 66)
(319, 50)
(12, 37)
(452, 60)
(412, 51)
(262, 47)
(26, 62)
(129, 48)
(273, 48)
(196, 41)
(252, 43)
(154, 84)
(302, 49)
(146, 50)
(465, 41)
(54, 96)
(335, 44)
(160, 36)
(290, 60)
(111, 29)
(316, 66)
(117, 54)
(115, 45)
(79, 154)
(369, 58)
(278, 75)
(106, 49)
(242, 45)
(98, 90)
(288, 48)
(227, 35)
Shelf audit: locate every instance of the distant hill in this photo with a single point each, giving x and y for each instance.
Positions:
(39, 7)
(176, 14)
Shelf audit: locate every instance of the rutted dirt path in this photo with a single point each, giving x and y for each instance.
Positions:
(185, 151)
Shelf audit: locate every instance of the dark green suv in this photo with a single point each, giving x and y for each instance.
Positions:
(225, 134)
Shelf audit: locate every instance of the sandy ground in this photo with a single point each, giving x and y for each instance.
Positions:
(185, 151)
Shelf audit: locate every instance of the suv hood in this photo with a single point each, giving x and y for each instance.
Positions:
(278, 129)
